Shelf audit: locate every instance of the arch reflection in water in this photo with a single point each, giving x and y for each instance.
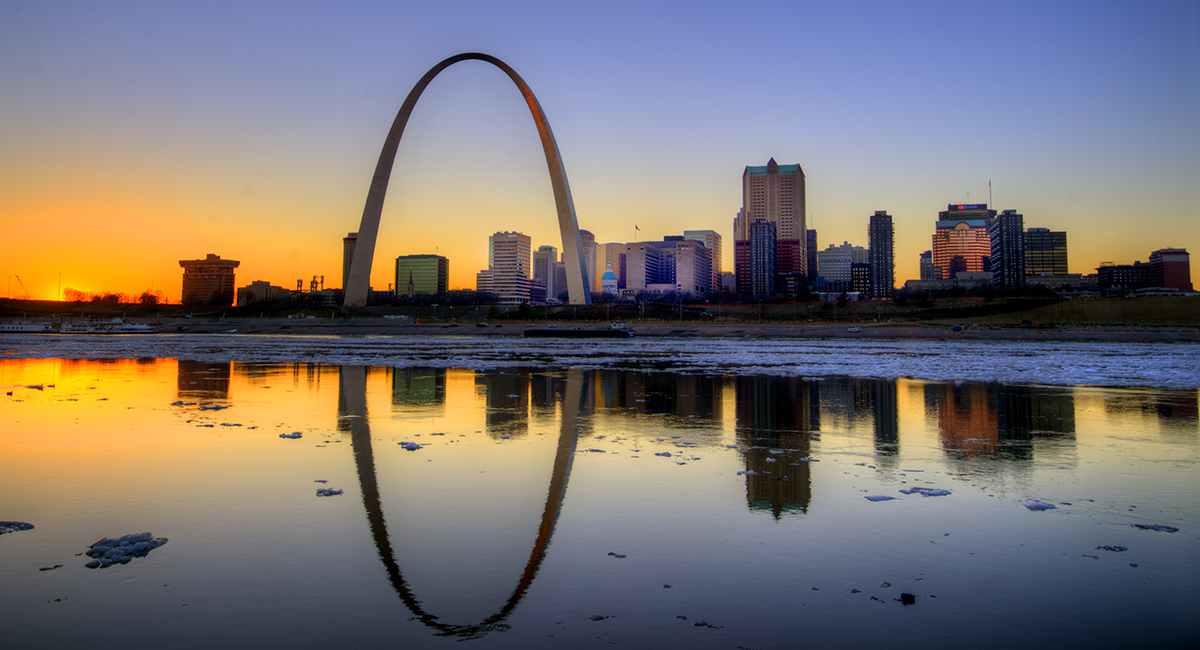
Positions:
(353, 417)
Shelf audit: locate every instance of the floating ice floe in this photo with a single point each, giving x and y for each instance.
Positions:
(328, 492)
(410, 446)
(926, 492)
(13, 526)
(1114, 549)
(106, 552)
(619, 556)
(747, 472)
(213, 407)
(662, 453)
(879, 497)
(293, 435)
(1158, 527)
(1038, 506)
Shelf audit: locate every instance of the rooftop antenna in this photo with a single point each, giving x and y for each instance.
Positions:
(990, 193)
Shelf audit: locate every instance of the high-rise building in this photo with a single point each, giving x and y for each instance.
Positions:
(712, 241)
(422, 275)
(1170, 268)
(776, 194)
(834, 264)
(762, 259)
(1006, 234)
(1045, 252)
(642, 265)
(560, 281)
(810, 254)
(962, 232)
(589, 262)
(509, 258)
(929, 270)
(208, 281)
(544, 259)
(860, 277)
(883, 267)
(348, 244)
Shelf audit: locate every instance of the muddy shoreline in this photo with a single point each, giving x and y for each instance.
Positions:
(379, 327)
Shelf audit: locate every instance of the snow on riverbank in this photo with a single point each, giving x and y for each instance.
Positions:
(1166, 365)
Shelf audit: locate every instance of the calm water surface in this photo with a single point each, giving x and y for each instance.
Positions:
(586, 508)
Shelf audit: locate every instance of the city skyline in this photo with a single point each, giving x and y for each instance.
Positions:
(156, 133)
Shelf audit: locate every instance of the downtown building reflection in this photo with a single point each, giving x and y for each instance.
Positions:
(777, 423)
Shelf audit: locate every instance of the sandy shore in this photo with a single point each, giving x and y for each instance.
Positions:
(379, 327)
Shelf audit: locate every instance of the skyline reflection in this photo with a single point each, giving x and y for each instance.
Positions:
(475, 533)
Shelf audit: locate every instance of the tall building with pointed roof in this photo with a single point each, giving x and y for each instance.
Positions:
(776, 194)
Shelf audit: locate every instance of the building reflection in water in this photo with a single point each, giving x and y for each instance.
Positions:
(419, 387)
(988, 419)
(774, 420)
(203, 381)
(353, 416)
(1177, 410)
(507, 395)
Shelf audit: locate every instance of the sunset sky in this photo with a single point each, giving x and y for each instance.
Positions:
(137, 134)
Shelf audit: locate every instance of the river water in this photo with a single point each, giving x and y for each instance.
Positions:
(637, 498)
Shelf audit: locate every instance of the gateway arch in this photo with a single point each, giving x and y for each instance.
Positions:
(355, 291)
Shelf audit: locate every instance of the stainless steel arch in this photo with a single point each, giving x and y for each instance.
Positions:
(355, 293)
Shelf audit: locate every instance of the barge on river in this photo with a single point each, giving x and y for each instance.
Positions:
(615, 330)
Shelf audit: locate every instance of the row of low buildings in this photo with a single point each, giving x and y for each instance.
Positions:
(683, 264)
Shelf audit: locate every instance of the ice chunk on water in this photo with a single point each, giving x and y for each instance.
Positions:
(879, 497)
(410, 446)
(1038, 506)
(662, 453)
(106, 551)
(1158, 527)
(328, 492)
(747, 472)
(926, 492)
(13, 526)
(293, 435)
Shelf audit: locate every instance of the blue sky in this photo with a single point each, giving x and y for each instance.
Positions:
(163, 131)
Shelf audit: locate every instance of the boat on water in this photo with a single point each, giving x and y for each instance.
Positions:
(615, 330)
(114, 326)
(26, 327)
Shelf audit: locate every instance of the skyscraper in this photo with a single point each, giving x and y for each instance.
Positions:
(962, 232)
(1007, 261)
(589, 262)
(762, 259)
(883, 268)
(422, 275)
(208, 281)
(776, 194)
(348, 244)
(1171, 268)
(929, 270)
(544, 259)
(712, 241)
(834, 264)
(810, 253)
(509, 258)
(1045, 252)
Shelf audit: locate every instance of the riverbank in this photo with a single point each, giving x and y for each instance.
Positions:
(381, 327)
